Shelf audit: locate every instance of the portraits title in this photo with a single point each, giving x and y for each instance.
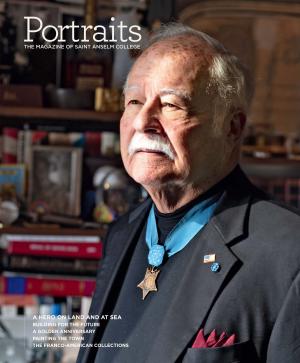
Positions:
(88, 33)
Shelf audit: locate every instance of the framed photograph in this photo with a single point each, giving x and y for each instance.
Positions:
(12, 179)
(55, 179)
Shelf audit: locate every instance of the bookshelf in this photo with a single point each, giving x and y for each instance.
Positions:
(59, 119)
(66, 121)
(72, 288)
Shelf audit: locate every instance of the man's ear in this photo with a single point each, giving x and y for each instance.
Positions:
(237, 125)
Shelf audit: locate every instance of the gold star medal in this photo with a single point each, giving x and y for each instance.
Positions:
(148, 284)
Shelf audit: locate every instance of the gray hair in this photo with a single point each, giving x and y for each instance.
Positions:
(229, 81)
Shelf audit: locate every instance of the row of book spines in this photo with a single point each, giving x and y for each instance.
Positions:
(49, 265)
(86, 247)
(46, 286)
(16, 144)
(49, 238)
(56, 249)
(14, 305)
(285, 190)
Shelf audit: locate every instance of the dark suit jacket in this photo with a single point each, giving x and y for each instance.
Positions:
(256, 293)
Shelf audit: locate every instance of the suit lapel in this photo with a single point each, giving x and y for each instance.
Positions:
(116, 252)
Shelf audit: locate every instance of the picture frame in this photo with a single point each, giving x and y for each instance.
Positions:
(13, 175)
(55, 179)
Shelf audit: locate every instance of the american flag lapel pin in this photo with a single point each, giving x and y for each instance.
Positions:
(209, 258)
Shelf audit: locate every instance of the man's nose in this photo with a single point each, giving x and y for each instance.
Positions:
(148, 120)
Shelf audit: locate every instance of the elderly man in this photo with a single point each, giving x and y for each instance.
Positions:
(207, 268)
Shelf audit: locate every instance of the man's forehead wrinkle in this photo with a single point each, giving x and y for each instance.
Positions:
(132, 87)
(177, 92)
(187, 45)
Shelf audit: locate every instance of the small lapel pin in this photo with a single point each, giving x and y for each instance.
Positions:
(209, 258)
(215, 267)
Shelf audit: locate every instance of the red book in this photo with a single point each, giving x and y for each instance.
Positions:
(38, 136)
(92, 145)
(47, 286)
(59, 287)
(10, 137)
(19, 300)
(83, 250)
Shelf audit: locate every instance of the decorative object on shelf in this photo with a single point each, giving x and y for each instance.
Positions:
(12, 180)
(293, 146)
(68, 98)
(9, 211)
(39, 207)
(56, 178)
(263, 142)
(12, 190)
(107, 99)
(110, 144)
(115, 193)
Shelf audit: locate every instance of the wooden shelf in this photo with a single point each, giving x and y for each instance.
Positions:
(271, 167)
(59, 119)
(56, 113)
(53, 231)
(271, 161)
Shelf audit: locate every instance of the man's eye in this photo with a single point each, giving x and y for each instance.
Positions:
(133, 102)
(168, 105)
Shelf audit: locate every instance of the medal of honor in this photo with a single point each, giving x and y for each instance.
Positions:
(149, 282)
(155, 259)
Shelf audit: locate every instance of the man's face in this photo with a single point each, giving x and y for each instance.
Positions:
(167, 132)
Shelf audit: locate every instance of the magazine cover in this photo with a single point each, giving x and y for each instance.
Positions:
(149, 181)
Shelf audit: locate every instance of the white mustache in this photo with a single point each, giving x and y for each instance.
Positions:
(143, 142)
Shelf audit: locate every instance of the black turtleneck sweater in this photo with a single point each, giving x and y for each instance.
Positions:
(166, 221)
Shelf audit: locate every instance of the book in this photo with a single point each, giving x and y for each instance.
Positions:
(48, 286)
(19, 300)
(19, 95)
(49, 265)
(82, 250)
(2, 284)
(92, 146)
(292, 192)
(89, 83)
(66, 139)
(5, 238)
(286, 190)
(14, 305)
(10, 137)
(21, 147)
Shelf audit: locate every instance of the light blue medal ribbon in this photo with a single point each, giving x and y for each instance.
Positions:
(193, 221)
(177, 239)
